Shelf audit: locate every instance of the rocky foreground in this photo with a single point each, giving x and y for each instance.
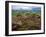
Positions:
(20, 23)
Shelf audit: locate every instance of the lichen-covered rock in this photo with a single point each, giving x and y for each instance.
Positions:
(32, 22)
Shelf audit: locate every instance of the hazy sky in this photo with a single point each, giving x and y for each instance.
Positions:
(17, 7)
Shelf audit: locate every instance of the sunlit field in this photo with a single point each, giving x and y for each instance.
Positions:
(26, 18)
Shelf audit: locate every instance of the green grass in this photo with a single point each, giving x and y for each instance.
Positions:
(26, 14)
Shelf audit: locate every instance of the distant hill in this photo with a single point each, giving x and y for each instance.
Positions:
(33, 10)
(36, 9)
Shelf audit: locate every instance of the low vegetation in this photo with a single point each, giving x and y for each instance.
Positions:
(26, 21)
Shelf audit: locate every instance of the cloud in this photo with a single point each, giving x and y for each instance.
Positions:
(18, 7)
